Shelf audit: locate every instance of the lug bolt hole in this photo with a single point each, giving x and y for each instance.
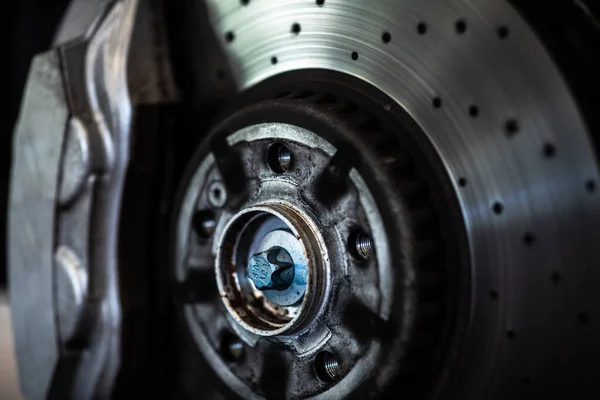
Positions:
(279, 158)
(361, 244)
(232, 348)
(327, 367)
(204, 223)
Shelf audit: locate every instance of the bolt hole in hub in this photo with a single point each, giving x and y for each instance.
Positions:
(232, 348)
(204, 223)
(327, 367)
(361, 244)
(279, 158)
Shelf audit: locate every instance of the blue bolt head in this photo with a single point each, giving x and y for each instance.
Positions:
(272, 269)
(259, 271)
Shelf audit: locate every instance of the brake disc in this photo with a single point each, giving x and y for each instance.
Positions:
(399, 199)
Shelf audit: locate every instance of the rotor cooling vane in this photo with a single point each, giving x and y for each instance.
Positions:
(371, 198)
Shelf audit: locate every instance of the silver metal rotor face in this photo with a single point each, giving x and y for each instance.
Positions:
(501, 118)
(309, 329)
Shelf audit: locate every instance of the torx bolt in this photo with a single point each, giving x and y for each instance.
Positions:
(271, 269)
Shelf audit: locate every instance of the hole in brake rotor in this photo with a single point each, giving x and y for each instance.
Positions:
(590, 186)
(511, 127)
(503, 32)
(460, 26)
(549, 150)
(528, 239)
(498, 208)
(296, 28)
(473, 111)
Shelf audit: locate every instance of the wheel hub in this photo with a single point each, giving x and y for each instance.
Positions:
(305, 271)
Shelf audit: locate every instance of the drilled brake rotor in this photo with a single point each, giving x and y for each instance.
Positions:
(382, 199)
(508, 155)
